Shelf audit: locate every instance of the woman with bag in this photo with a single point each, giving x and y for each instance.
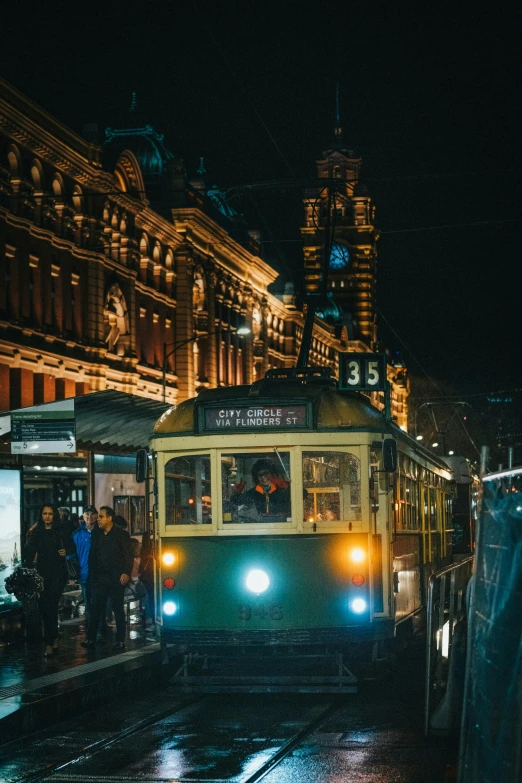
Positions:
(49, 544)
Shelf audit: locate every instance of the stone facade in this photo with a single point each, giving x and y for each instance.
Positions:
(111, 262)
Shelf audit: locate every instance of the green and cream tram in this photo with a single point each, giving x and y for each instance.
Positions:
(290, 514)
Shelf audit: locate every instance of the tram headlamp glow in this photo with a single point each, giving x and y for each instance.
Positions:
(168, 558)
(257, 581)
(169, 608)
(357, 554)
(358, 605)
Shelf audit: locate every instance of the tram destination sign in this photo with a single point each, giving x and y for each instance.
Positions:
(255, 417)
(362, 371)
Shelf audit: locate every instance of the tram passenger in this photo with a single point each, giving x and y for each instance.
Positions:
(269, 497)
(206, 509)
(328, 516)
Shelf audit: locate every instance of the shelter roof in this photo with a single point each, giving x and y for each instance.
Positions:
(109, 421)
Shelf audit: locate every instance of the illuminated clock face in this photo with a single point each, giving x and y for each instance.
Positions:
(339, 256)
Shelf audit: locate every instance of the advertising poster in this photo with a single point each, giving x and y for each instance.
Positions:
(10, 558)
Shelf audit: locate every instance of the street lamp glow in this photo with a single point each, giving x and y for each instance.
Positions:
(434, 445)
(451, 453)
(243, 330)
(419, 437)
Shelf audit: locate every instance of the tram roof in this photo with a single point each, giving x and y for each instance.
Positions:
(332, 409)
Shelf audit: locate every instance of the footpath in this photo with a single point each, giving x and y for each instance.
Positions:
(36, 692)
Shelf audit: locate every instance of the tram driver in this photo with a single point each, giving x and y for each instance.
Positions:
(269, 497)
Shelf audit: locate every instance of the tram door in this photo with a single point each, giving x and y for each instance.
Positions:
(407, 559)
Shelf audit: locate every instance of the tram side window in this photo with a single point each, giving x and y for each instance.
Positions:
(187, 484)
(332, 485)
(256, 487)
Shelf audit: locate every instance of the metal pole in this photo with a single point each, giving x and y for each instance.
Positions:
(511, 452)
(484, 459)
(91, 484)
(164, 374)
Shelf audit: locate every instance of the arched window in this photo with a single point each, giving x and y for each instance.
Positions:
(15, 166)
(156, 254)
(37, 175)
(77, 199)
(57, 186)
(144, 246)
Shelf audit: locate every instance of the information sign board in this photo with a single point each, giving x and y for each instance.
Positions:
(44, 429)
(362, 371)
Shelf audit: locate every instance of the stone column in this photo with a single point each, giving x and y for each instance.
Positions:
(211, 369)
(95, 304)
(4, 388)
(22, 394)
(265, 311)
(246, 313)
(184, 355)
(44, 388)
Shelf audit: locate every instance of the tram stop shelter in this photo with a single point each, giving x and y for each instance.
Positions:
(110, 428)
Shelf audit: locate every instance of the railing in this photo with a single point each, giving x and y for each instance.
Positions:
(446, 607)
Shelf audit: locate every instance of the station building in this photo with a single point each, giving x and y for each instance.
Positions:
(119, 271)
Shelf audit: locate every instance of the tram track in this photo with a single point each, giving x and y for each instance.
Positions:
(63, 770)
(53, 771)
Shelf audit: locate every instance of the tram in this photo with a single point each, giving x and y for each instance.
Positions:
(290, 517)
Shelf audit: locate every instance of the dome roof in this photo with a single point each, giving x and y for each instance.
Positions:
(146, 144)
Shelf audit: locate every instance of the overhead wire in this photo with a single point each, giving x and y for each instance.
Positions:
(428, 376)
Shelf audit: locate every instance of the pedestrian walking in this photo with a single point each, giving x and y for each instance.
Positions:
(49, 544)
(110, 568)
(82, 541)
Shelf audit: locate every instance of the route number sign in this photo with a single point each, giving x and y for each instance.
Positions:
(362, 371)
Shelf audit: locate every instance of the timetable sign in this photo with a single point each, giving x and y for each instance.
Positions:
(362, 371)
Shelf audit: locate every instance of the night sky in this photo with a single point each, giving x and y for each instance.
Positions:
(429, 97)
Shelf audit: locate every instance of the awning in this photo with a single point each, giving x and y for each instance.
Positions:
(108, 421)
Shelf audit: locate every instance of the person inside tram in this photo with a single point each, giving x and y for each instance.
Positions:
(206, 509)
(328, 516)
(269, 497)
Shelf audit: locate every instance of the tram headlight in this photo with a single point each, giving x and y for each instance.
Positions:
(257, 581)
(358, 605)
(169, 608)
(168, 558)
(357, 554)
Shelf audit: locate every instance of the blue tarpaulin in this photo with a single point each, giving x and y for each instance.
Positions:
(491, 739)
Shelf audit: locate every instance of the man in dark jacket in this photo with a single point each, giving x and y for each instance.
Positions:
(110, 568)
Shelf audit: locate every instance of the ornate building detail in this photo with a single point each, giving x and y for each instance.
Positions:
(124, 275)
(116, 318)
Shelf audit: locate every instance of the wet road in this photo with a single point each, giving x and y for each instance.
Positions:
(374, 736)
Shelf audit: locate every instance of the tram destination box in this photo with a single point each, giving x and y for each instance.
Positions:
(266, 416)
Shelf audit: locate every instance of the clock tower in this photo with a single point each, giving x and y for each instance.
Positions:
(351, 239)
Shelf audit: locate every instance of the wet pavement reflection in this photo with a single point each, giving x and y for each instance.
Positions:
(374, 736)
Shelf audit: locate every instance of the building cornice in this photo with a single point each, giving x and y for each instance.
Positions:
(212, 240)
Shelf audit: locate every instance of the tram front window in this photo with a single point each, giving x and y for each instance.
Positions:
(332, 484)
(187, 491)
(256, 487)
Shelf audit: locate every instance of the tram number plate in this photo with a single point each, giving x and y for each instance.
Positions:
(362, 371)
(274, 612)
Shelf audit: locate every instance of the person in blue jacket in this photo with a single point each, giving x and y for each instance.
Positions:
(82, 542)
